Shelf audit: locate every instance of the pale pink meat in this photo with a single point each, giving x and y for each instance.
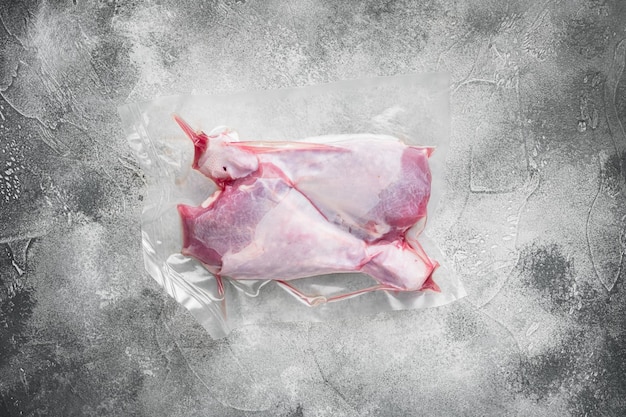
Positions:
(262, 228)
(376, 189)
(374, 186)
(292, 210)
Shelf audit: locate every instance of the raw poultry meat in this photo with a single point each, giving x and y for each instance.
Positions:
(288, 210)
(374, 186)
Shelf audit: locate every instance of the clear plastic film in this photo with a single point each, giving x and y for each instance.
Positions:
(413, 108)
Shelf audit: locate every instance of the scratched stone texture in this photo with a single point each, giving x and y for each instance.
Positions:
(534, 220)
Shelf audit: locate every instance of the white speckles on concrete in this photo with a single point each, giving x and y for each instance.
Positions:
(532, 219)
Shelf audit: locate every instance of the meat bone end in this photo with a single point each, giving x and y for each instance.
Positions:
(213, 156)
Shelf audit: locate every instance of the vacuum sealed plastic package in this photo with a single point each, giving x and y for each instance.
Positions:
(296, 204)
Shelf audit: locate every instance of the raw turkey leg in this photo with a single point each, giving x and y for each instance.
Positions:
(262, 228)
(373, 186)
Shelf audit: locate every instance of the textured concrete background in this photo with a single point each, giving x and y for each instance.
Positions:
(535, 220)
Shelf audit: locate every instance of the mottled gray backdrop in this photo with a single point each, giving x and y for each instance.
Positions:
(534, 221)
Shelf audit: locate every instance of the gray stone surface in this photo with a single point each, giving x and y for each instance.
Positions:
(534, 220)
